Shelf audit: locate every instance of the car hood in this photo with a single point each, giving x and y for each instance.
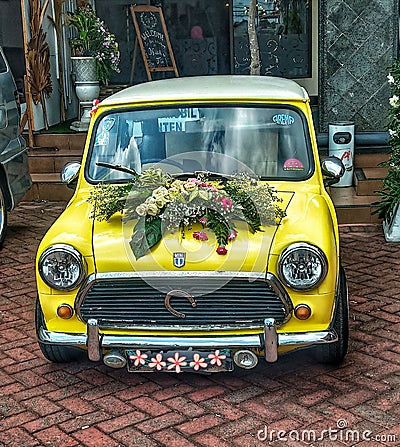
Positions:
(180, 251)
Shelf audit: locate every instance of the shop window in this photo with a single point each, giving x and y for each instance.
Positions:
(199, 33)
(284, 37)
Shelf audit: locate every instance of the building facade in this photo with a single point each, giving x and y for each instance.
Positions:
(339, 50)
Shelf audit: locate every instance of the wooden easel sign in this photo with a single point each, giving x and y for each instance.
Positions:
(153, 39)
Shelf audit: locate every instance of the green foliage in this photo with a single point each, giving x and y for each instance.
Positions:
(390, 192)
(219, 226)
(146, 234)
(108, 200)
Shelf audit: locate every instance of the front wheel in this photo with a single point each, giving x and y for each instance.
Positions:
(334, 353)
(55, 353)
(3, 216)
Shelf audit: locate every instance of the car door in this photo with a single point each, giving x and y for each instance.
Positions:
(9, 112)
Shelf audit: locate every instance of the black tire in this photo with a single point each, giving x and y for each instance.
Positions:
(3, 216)
(334, 353)
(55, 353)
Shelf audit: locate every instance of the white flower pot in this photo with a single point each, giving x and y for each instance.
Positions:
(84, 68)
(391, 226)
(87, 91)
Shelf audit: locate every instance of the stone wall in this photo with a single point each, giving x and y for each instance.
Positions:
(358, 42)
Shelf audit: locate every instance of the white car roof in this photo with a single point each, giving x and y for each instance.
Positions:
(217, 87)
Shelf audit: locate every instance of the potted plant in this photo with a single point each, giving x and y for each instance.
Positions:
(388, 207)
(94, 40)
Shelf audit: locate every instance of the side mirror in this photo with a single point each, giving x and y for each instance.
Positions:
(69, 174)
(333, 169)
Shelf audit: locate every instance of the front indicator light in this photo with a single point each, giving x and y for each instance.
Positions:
(62, 267)
(65, 311)
(302, 312)
(302, 266)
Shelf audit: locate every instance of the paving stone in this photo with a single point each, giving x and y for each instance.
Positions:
(92, 437)
(131, 437)
(86, 404)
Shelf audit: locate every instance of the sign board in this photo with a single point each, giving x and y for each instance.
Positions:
(153, 39)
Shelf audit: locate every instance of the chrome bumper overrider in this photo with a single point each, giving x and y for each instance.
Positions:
(269, 340)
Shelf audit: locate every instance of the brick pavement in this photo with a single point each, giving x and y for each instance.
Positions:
(89, 405)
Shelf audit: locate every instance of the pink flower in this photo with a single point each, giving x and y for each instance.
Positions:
(222, 251)
(232, 236)
(203, 220)
(157, 362)
(200, 236)
(216, 358)
(198, 362)
(140, 358)
(176, 362)
(227, 203)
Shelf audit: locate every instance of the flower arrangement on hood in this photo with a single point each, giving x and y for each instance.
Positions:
(390, 192)
(94, 39)
(162, 203)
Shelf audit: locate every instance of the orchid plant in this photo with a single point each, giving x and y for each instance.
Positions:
(161, 203)
(94, 39)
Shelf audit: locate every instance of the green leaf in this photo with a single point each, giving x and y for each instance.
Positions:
(193, 194)
(146, 233)
(204, 194)
(138, 241)
(153, 231)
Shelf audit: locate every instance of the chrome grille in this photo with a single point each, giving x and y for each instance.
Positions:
(134, 302)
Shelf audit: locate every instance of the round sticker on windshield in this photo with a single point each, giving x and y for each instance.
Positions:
(292, 164)
(283, 119)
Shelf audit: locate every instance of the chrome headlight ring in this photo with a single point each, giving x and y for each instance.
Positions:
(62, 267)
(302, 266)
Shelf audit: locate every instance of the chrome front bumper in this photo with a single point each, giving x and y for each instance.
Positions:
(269, 340)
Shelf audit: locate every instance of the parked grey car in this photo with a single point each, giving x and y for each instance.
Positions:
(15, 179)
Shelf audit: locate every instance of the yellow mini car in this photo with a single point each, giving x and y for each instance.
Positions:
(200, 235)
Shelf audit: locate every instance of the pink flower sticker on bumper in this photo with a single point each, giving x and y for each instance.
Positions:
(177, 362)
(216, 358)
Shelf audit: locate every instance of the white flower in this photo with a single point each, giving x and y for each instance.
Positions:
(393, 133)
(141, 210)
(153, 209)
(160, 201)
(390, 78)
(394, 101)
(160, 192)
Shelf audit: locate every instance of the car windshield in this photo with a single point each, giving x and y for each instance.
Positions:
(271, 142)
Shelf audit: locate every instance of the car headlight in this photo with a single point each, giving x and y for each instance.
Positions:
(62, 267)
(302, 266)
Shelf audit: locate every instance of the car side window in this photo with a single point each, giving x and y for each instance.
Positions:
(3, 66)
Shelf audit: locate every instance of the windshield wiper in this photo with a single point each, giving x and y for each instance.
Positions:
(117, 168)
(208, 174)
(211, 174)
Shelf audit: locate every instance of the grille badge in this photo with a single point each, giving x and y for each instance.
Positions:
(179, 259)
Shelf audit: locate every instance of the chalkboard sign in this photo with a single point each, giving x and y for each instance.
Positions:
(153, 40)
